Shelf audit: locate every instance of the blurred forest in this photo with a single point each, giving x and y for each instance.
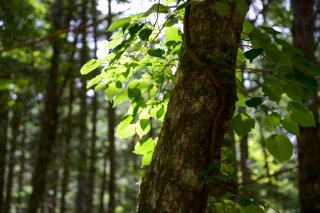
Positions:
(59, 151)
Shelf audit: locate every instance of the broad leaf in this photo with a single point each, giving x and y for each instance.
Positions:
(272, 87)
(242, 7)
(90, 66)
(279, 147)
(135, 28)
(125, 128)
(253, 53)
(156, 52)
(254, 102)
(301, 114)
(112, 90)
(290, 125)
(242, 124)
(121, 97)
(119, 23)
(272, 121)
(144, 34)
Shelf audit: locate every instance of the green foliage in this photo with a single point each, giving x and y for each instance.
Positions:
(140, 70)
(242, 124)
(279, 147)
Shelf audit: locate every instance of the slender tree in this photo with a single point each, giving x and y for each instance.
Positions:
(199, 110)
(82, 194)
(50, 113)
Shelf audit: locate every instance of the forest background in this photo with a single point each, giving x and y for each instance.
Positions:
(60, 148)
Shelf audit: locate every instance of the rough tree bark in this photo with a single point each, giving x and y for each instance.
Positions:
(199, 111)
(309, 141)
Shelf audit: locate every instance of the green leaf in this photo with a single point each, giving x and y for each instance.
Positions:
(240, 57)
(172, 34)
(100, 86)
(112, 90)
(290, 125)
(242, 7)
(125, 128)
(246, 29)
(135, 28)
(90, 66)
(160, 112)
(121, 97)
(144, 146)
(146, 159)
(272, 121)
(253, 53)
(279, 147)
(115, 42)
(143, 127)
(302, 80)
(272, 87)
(156, 52)
(271, 31)
(134, 93)
(301, 114)
(144, 34)
(242, 124)
(294, 92)
(259, 39)
(254, 102)
(94, 81)
(222, 8)
(119, 23)
(156, 8)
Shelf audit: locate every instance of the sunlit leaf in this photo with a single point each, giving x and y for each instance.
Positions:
(119, 23)
(90, 66)
(125, 128)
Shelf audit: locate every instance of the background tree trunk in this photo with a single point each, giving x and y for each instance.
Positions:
(15, 132)
(198, 113)
(82, 194)
(309, 141)
(112, 150)
(3, 141)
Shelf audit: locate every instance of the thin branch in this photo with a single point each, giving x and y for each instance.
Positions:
(51, 36)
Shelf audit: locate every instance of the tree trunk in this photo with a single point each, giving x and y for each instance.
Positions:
(309, 141)
(82, 194)
(22, 161)
(200, 108)
(49, 126)
(95, 107)
(15, 125)
(67, 150)
(112, 174)
(93, 153)
(3, 141)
